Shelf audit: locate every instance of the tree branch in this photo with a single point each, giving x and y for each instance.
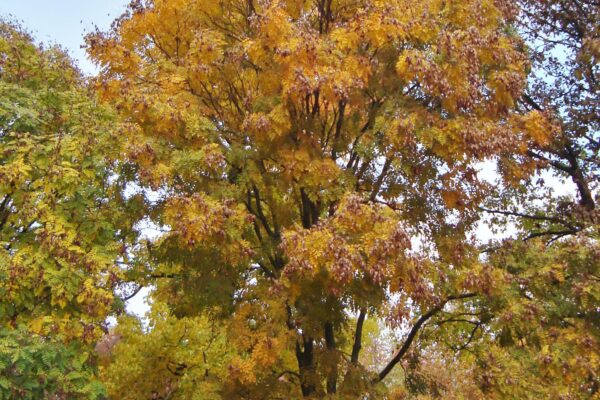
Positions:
(529, 100)
(3, 211)
(558, 165)
(558, 234)
(338, 129)
(380, 178)
(132, 295)
(471, 336)
(413, 333)
(356, 347)
(259, 212)
(527, 216)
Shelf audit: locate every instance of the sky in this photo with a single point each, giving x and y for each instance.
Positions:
(64, 22)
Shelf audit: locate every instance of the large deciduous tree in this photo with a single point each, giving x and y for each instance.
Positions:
(314, 168)
(315, 164)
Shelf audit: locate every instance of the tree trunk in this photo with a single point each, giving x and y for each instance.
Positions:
(306, 366)
(330, 342)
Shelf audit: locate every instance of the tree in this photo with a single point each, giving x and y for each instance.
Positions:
(174, 358)
(566, 87)
(296, 148)
(563, 40)
(535, 337)
(62, 223)
(36, 367)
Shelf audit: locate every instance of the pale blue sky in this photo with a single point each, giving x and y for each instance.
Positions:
(64, 21)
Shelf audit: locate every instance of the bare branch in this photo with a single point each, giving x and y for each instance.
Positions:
(523, 215)
(132, 295)
(413, 333)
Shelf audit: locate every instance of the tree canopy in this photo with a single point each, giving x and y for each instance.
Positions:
(313, 170)
(60, 220)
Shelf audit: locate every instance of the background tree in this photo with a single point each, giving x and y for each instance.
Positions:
(295, 148)
(563, 39)
(170, 358)
(535, 337)
(62, 222)
(530, 341)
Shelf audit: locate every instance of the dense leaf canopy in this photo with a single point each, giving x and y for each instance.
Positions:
(59, 219)
(311, 171)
